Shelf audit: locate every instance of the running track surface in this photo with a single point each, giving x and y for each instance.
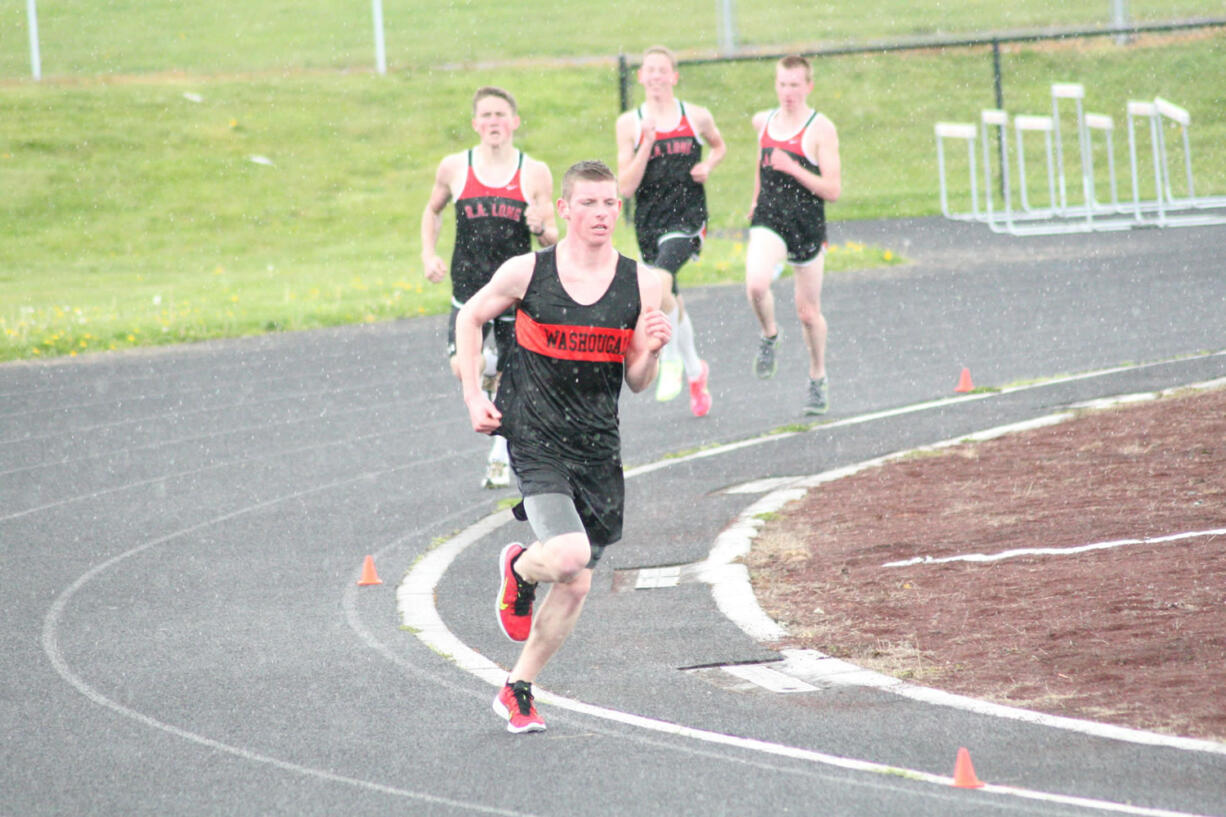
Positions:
(181, 532)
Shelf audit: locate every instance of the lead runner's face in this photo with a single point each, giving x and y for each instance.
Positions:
(591, 211)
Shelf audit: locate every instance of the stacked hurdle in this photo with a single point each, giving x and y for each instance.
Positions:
(1066, 211)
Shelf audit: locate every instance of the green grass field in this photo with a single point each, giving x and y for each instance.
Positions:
(90, 37)
(178, 206)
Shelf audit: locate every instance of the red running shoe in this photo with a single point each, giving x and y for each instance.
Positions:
(515, 596)
(700, 398)
(514, 702)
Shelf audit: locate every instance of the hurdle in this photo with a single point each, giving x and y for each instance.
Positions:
(1170, 211)
(1105, 124)
(996, 118)
(1166, 209)
(1166, 109)
(1076, 92)
(967, 132)
(1147, 111)
(1041, 124)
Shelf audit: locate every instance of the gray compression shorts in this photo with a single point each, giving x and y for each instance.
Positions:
(553, 515)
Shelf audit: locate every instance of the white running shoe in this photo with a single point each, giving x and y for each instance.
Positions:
(497, 475)
(668, 380)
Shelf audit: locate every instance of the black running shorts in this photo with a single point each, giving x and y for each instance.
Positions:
(598, 487)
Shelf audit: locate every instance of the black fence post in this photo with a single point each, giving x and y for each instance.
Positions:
(1000, 106)
(623, 90)
(623, 83)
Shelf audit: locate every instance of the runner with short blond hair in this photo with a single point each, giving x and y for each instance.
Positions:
(502, 199)
(798, 171)
(660, 162)
(587, 319)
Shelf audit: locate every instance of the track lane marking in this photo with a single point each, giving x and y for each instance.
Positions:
(730, 587)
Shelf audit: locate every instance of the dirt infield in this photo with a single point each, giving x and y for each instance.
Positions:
(1129, 634)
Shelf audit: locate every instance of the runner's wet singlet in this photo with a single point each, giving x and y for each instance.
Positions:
(490, 228)
(559, 391)
(784, 204)
(668, 198)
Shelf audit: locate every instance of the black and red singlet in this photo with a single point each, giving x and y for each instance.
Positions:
(490, 228)
(560, 389)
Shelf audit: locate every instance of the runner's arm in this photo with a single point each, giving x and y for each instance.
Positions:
(705, 125)
(631, 160)
(505, 289)
(432, 222)
(759, 122)
(828, 183)
(538, 184)
(650, 333)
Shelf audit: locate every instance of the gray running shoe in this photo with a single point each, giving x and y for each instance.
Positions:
(818, 400)
(764, 365)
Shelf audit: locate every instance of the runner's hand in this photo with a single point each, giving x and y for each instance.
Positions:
(648, 127)
(782, 161)
(436, 269)
(657, 327)
(483, 414)
(535, 220)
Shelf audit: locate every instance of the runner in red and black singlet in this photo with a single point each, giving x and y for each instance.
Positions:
(489, 228)
(660, 161)
(668, 200)
(587, 320)
(502, 199)
(560, 389)
(785, 206)
(797, 171)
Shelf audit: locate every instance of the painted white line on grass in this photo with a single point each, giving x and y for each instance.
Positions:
(1068, 551)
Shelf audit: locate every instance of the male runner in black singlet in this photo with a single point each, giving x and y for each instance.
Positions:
(502, 198)
(798, 171)
(660, 163)
(587, 318)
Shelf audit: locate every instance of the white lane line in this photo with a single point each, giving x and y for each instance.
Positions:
(822, 671)
(51, 648)
(734, 595)
(415, 600)
(947, 401)
(743, 609)
(1068, 551)
(768, 678)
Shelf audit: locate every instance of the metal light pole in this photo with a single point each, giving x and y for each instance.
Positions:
(36, 61)
(380, 51)
(726, 10)
(1119, 19)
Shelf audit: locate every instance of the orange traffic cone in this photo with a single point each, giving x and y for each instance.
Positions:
(964, 772)
(964, 382)
(369, 576)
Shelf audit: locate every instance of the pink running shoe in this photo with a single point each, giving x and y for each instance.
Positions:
(514, 702)
(700, 398)
(515, 596)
